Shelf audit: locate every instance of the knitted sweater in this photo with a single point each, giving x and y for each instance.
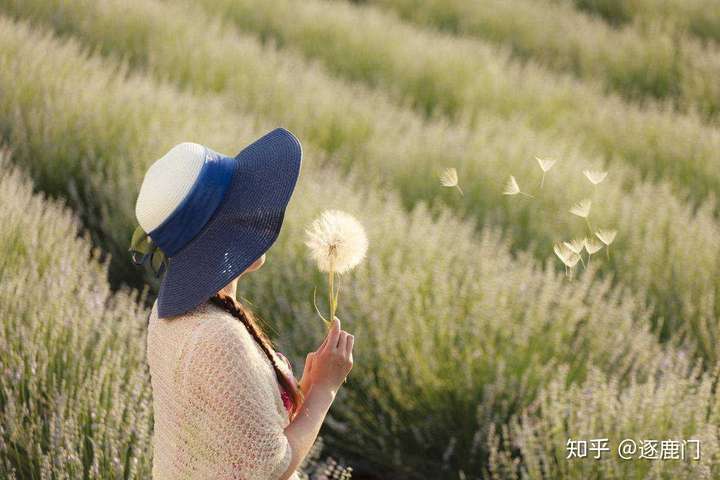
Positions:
(217, 404)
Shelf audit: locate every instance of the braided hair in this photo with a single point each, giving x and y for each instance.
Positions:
(242, 313)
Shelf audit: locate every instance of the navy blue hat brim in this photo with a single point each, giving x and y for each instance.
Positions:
(244, 226)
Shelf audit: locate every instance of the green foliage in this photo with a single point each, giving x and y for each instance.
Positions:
(676, 402)
(671, 254)
(461, 332)
(699, 17)
(75, 397)
(468, 80)
(501, 325)
(449, 340)
(638, 64)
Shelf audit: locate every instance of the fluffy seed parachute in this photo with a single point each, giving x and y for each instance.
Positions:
(566, 256)
(582, 208)
(595, 176)
(512, 188)
(545, 165)
(607, 237)
(449, 178)
(592, 246)
(576, 246)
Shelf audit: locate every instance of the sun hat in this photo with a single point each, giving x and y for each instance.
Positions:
(205, 217)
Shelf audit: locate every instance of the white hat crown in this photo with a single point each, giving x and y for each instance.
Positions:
(167, 182)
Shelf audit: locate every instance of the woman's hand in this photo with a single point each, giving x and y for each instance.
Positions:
(342, 358)
(332, 362)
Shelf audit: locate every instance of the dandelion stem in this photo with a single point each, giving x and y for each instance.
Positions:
(460, 190)
(526, 194)
(331, 298)
(542, 179)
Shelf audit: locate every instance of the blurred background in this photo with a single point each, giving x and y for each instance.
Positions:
(478, 354)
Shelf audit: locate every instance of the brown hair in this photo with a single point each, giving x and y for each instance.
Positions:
(242, 313)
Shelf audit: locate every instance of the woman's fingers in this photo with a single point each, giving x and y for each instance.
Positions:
(334, 334)
(349, 346)
(342, 340)
(309, 362)
(324, 342)
(335, 323)
(337, 340)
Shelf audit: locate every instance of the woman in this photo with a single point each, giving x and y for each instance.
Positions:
(226, 404)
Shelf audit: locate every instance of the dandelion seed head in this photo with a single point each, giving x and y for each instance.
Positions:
(606, 236)
(449, 177)
(545, 164)
(595, 176)
(582, 208)
(336, 241)
(511, 187)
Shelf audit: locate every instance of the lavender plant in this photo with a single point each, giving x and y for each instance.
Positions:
(361, 128)
(75, 398)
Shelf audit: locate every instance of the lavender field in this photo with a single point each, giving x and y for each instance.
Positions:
(539, 183)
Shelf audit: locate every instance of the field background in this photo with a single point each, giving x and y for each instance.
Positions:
(476, 355)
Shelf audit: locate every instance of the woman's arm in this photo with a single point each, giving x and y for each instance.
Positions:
(304, 428)
(330, 365)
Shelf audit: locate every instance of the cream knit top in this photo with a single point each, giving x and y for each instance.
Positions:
(218, 411)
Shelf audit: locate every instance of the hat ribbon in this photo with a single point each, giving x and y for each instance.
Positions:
(142, 244)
